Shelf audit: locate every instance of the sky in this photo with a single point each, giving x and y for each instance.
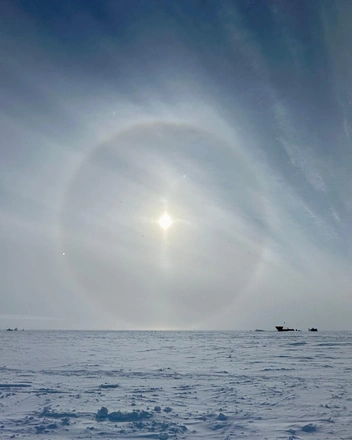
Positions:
(175, 165)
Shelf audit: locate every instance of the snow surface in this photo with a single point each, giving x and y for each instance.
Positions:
(167, 385)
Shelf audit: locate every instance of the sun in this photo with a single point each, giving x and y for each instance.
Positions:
(165, 221)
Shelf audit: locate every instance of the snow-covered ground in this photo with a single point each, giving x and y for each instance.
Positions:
(166, 385)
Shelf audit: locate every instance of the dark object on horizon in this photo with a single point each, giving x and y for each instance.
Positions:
(313, 329)
(12, 329)
(281, 328)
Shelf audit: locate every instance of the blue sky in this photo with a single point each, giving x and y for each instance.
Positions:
(232, 117)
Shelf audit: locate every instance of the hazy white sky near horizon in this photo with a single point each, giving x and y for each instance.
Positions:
(233, 117)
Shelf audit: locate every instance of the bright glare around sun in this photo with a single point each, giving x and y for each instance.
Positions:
(165, 221)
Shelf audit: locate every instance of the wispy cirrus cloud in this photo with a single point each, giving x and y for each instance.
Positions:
(225, 125)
